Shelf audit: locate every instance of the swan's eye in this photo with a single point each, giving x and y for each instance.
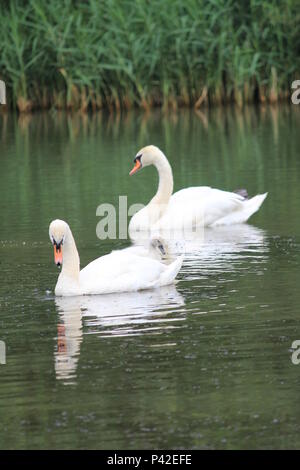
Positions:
(138, 158)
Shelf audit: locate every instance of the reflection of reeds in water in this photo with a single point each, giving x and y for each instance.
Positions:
(117, 55)
(144, 125)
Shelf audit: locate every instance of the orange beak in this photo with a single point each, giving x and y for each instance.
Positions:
(58, 255)
(136, 167)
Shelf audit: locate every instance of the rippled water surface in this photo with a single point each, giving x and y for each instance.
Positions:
(205, 363)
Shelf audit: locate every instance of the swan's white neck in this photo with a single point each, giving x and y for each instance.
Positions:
(69, 275)
(147, 217)
(165, 185)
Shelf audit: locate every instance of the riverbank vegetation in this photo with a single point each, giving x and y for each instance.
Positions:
(119, 54)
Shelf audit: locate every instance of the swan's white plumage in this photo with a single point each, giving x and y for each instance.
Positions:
(209, 207)
(123, 272)
(190, 207)
(120, 271)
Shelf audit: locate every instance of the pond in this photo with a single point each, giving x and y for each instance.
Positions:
(205, 363)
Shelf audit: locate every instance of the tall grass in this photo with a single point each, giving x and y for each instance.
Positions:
(123, 53)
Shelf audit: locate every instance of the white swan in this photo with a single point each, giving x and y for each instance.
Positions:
(190, 207)
(119, 271)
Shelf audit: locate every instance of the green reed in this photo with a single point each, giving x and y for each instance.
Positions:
(117, 54)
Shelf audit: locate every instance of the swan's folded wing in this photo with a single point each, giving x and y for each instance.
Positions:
(203, 205)
(120, 272)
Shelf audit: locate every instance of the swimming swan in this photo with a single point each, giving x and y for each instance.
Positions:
(119, 271)
(190, 207)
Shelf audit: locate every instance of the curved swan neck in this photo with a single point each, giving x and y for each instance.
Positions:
(165, 185)
(71, 262)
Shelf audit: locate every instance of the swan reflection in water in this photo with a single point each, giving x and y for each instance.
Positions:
(112, 315)
(69, 337)
(213, 250)
(226, 249)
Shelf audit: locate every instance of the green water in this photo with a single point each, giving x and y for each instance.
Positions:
(203, 364)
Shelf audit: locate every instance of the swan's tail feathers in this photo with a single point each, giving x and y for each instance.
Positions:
(253, 205)
(244, 211)
(169, 275)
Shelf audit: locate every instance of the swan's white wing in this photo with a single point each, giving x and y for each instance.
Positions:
(200, 206)
(119, 272)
